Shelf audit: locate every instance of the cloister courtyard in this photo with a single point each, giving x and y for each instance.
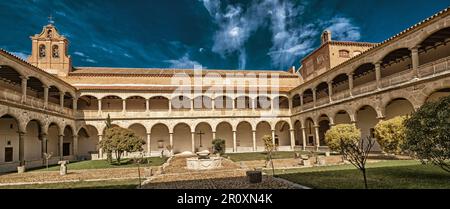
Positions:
(384, 172)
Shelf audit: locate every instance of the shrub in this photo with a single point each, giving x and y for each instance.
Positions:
(390, 134)
(428, 133)
(342, 133)
(120, 140)
(219, 146)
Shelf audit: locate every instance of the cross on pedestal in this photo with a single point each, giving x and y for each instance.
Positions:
(200, 133)
(50, 19)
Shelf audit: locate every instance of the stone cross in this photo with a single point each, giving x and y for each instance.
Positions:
(200, 133)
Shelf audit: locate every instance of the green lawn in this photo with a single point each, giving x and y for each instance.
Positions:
(109, 184)
(100, 164)
(395, 174)
(236, 157)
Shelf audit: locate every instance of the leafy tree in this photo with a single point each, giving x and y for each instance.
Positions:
(219, 146)
(346, 139)
(270, 147)
(108, 123)
(390, 134)
(428, 133)
(120, 140)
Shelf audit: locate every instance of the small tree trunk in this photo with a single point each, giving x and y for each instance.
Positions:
(365, 178)
(118, 157)
(271, 162)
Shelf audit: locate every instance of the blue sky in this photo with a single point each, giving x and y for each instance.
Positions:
(226, 34)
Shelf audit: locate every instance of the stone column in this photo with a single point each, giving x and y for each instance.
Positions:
(75, 146)
(170, 105)
(378, 74)
(292, 135)
(171, 140)
(192, 104)
(213, 135)
(301, 101)
(74, 104)
(61, 141)
(254, 140)
(46, 88)
(290, 104)
(124, 105)
(193, 141)
(24, 87)
(304, 139)
(314, 96)
(99, 105)
(273, 137)
(61, 100)
(330, 90)
(147, 105)
(234, 142)
(149, 152)
(21, 147)
(43, 145)
(213, 104)
(350, 83)
(415, 61)
(316, 129)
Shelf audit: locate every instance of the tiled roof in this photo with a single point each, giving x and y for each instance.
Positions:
(160, 72)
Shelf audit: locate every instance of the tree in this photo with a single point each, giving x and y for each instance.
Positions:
(428, 133)
(219, 146)
(390, 134)
(120, 140)
(108, 123)
(270, 147)
(346, 139)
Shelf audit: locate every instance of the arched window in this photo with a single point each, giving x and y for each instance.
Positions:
(42, 50)
(55, 51)
(344, 53)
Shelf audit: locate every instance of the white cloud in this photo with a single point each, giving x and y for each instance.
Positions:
(183, 63)
(343, 29)
(90, 60)
(81, 54)
(21, 55)
(291, 39)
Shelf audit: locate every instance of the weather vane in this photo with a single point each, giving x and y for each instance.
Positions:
(50, 19)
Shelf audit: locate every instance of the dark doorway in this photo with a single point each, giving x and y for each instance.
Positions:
(8, 154)
(66, 149)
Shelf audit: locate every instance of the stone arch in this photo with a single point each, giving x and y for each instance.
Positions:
(263, 102)
(141, 131)
(68, 143)
(435, 46)
(244, 136)
(203, 136)
(182, 138)
(395, 61)
(243, 102)
(298, 134)
(324, 122)
(11, 78)
(9, 128)
(203, 102)
(88, 138)
(281, 102)
(54, 131)
(366, 119)
(136, 103)
(223, 102)
(398, 106)
(437, 94)
(296, 102)
(87, 102)
(343, 117)
(282, 134)
(262, 129)
(309, 125)
(224, 130)
(159, 138)
(363, 74)
(35, 88)
(181, 102)
(112, 103)
(340, 83)
(425, 34)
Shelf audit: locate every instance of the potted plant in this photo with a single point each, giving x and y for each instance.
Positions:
(21, 167)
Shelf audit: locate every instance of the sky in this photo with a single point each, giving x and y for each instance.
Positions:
(216, 34)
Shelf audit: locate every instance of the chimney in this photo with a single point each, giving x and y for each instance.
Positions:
(326, 36)
(292, 70)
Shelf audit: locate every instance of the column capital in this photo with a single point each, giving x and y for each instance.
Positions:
(414, 48)
(23, 77)
(350, 74)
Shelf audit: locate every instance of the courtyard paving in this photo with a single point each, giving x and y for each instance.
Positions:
(229, 176)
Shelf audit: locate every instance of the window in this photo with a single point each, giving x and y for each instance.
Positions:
(320, 59)
(55, 51)
(344, 53)
(41, 50)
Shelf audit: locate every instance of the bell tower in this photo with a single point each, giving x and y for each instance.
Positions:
(50, 51)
